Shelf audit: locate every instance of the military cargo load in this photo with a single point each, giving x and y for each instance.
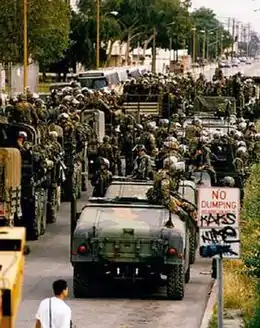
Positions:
(10, 186)
(215, 105)
(129, 239)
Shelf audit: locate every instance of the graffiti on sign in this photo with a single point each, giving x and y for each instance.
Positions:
(218, 217)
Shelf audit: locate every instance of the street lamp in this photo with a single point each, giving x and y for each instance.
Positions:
(25, 45)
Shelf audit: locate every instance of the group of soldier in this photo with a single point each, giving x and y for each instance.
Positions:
(162, 149)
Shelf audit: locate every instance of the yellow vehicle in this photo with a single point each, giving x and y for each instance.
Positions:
(12, 244)
(10, 186)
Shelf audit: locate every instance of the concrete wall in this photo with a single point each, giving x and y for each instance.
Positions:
(17, 78)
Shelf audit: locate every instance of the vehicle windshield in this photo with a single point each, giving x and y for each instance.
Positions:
(93, 83)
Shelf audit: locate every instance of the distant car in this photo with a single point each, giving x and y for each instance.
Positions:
(243, 59)
(234, 63)
(248, 62)
(224, 64)
(195, 65)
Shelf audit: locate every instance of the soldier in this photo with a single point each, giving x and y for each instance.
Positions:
(105, 150)
(21, 139)
(142, 165)
(148, 139)
(101, 179)
(165, 188)
(116, 167)
(128, 145)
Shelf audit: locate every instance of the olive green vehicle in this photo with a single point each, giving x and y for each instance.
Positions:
(130, 239)
(36, 179)
(122, 187)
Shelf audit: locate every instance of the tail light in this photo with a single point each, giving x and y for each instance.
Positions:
(172, 251)
(82, 249)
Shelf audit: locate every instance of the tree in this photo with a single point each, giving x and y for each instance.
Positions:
(48, 30)
(204, 19)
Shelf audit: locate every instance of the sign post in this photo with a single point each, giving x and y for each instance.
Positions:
(218, 219)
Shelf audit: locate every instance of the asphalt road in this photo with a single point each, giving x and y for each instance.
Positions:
(121, 306)
(247, 70)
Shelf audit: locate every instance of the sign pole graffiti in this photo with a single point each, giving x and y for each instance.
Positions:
(218, 218)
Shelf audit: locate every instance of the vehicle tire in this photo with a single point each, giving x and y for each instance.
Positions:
(35, 230)
(81, 284)
(176, 283)
(52, 205)
(43, 210)
(58, 196)
(187, 275)
(192, 242)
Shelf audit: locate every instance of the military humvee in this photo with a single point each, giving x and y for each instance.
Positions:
(129, 239)
(124, 188)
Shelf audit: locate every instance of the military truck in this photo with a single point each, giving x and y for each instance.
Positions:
(129, 239)
(143, 104)
(124, 188)
(10, 186)
(36, 177)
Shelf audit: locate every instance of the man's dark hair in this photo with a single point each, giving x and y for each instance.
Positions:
(59, 286)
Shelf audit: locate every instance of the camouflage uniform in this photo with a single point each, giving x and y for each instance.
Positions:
(143, 165)
(101, 179)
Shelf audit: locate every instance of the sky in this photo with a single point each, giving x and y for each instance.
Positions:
(242, 10)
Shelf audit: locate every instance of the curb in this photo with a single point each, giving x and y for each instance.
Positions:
(209, 307)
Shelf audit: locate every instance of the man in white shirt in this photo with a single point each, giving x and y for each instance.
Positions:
(54, 312)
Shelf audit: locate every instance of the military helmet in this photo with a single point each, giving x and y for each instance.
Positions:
(106, 139)
(139, 147)
(229, 182)
(53, 134)
(63, 116)
(105, 162)
(22, 134)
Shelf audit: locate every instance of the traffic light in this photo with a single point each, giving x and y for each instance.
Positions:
(212, 250)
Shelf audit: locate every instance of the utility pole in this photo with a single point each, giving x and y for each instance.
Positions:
(25, 45)
(194, 44)
(248, 39)
(154, 51)
(207, 52)
(204, 45)
(98, 34)
(233, 37)
(170, 55)
(216, 46)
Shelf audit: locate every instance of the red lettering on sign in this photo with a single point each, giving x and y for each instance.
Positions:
(219, 194)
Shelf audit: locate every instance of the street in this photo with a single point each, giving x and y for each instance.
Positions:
(49, 260)
(247, 70)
